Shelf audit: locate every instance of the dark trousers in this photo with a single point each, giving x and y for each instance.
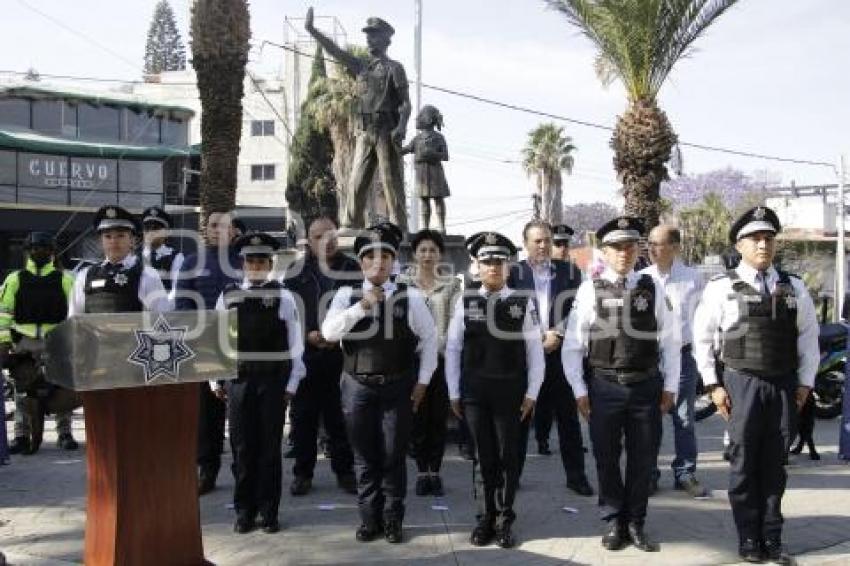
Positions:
(379, 419)
(556, 400)
(428, 439)
(318, 397)
(210, 431)
(492, 410)
(631, 413)
(760, 432)
(256, 410)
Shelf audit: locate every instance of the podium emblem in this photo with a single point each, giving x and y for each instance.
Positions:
(161, 350)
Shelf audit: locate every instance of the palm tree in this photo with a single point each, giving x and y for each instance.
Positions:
(547, 153)
(639, 42)
(706, 226)
(220, 32)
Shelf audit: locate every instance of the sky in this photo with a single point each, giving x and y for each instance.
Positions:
(770, 77)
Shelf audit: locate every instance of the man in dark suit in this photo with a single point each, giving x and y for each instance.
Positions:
(552, 285)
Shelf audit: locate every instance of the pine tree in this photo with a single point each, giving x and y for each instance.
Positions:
(164, 50)
(311, 188)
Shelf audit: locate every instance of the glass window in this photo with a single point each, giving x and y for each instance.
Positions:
(15, 112)
(69, 120)
(7, 168)
(93, 198)
(142, 128)
(139, 200)
(93, 174)
(268, 172)
(54, 195)
(47, 116)
(256, 172)
(175, 132)
(8, 193)
(265, 172)
(140, 176)
(268, 128)
(256, 128)
(99, 122)
(40, 170)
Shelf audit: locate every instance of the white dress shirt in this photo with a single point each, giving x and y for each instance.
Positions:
(542, 274)
(535, 362)
(341, 318)
(583, 315)
(288, 313)
(152, 294)
(719, 310)
(174, 274)
(682, 287)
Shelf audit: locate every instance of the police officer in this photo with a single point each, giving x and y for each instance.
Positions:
(33, 301)
(622, 323)
(561, 236)
(269, 348)
(552, 285)
(324, 270)
(203, 276)
(761, 323)
(494, 335)
(120, 283)
(156, 252)
(383, 327)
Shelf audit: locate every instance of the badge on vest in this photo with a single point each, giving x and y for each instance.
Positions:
(516, 312)
(791, 301)
(98, 283)
(161, 350)
(120, 279)
(268, 301)
(640, 303)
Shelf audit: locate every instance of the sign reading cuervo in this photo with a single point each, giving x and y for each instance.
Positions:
(57, 172)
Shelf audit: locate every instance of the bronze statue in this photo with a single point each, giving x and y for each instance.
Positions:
(383, 109)
(429, 151)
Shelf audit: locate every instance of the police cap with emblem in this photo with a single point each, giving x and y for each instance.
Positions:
(40, 240)
(156, 215)
(383, 236)
(758, 219)
(562, 232)
(490, 246)
(377, 25)
(256, 244)
(114, 217)
(620, 229)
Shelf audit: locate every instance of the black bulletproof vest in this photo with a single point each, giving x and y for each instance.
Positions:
(764, 339)
(493, 345)
(163, 265)
(261, 331)
(111, 288)
(624, 334)
(382, 344)
(40, 299)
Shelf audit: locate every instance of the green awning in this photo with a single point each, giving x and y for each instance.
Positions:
(42, 93)
(25, 140)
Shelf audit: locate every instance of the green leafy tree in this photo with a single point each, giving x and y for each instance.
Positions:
(547, 153)
(164, 50)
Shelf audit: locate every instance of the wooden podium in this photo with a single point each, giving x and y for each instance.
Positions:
(137, 375)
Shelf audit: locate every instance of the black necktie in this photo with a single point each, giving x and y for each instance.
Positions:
(620, 284)
(765, 290)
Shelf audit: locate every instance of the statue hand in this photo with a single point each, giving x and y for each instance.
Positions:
(308, 21)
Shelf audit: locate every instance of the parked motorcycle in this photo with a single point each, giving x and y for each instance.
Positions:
(829, 381)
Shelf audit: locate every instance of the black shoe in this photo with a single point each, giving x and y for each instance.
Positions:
(774, 553)
(504, 536)
(484, 532)
(20, 445)
(206, 483)
(244, 524)
(615, 537)
(270, 525)
(640, 540)
(466, 452)
(392, 531)
(581, 486)
(67, 442)
(368, 533)
(543, 448)
(301, 486)
(347, 483)
(423, 485)
(750, 551)
(437, 486)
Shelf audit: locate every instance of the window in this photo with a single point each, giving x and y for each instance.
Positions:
(262, 127)
(141, 128)
(99, 122)
(69, 120)
(262, 172)
(140, 176)
(47, 117)
(15, 112)
(175, 132)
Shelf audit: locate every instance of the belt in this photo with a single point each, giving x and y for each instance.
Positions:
(622, 376)
(377, 378)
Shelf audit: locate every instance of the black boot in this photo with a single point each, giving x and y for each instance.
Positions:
(369, 532)
(206, 482)
(504, 536)
(20, 445)
(66, 442)
(244, 523)
(392, 531)
(750, 550)
(437, 486)
(543, 448)
(640, 539)
(774, 553)
(484, 531)
(423, 485)
(615, 537)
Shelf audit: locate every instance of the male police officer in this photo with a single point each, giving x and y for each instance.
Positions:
(156, 253)
(552, 285)
(494, 334)
(269, 348)
(383, 325)
(561, 236)
(624, 326)
(762, 324)
(121, 283)
(33, 301)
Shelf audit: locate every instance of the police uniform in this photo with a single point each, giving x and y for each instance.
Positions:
(33, 301)
(165, 259)
(269, 364)
(380, 348)
(124, 286)
(763, 327)
(561, 233)
(494, 359)
(630, 338)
